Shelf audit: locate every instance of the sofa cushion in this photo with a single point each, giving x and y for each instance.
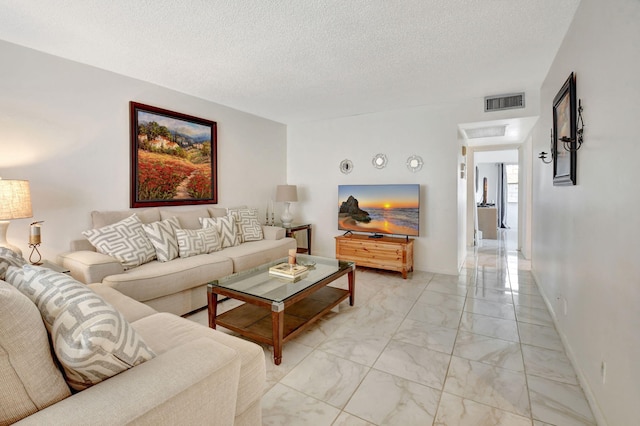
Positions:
(132, 310)
(124, 240)
(91, 339)
(100, 219)
(189, 219)
(192, 242)
(156, 279)
(164, 331)
(217, 211)
(8, 258)
(226, 227)
(162, 235)
(29, 378)
(255, 253)
(247, 224)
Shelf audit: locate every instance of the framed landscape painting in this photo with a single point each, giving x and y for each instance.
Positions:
(173, 158)
(564, 129)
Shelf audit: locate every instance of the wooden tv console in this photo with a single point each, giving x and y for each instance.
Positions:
(389, 253)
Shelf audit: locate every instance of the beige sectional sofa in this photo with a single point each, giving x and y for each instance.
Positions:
(197, 376)
(179, 285)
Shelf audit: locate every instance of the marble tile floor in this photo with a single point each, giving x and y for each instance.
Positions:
(479, 348)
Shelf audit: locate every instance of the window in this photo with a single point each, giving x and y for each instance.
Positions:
(512, 183)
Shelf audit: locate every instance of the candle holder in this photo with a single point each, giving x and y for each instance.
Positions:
(34, 248)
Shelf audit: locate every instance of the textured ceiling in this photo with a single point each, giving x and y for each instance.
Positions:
(302, 60)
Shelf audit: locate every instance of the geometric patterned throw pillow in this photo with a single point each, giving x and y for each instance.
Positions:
(162, 235)
(125, 240)
(249, 229)
(91, 339)
(226, 227)
(8, 258)
(192, 242)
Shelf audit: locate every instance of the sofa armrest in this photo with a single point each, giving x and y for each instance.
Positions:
(90, 266)
(273, 232)
(194, 383)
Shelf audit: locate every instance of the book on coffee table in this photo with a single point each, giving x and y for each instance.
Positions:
(285, 270)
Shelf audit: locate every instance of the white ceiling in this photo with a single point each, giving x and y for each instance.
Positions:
(294, 61)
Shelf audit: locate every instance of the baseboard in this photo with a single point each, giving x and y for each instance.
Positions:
(582, 380)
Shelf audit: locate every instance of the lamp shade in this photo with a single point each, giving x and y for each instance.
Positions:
(286, 193)
(15, 199)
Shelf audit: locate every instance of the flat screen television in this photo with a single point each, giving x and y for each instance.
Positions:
(379, 209)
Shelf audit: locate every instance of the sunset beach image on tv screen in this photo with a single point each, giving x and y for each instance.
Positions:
(379, 209)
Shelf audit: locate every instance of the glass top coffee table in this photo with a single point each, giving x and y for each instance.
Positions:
(278, 309)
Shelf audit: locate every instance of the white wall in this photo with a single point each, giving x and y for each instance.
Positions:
(585, 237)
(525, 171)
(462, 204)
(65, 128)
(316, 149)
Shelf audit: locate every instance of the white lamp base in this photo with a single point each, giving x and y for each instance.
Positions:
(286, 217)
(4, 225)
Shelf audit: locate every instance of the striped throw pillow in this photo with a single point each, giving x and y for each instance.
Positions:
(162, 235)
(226, 227)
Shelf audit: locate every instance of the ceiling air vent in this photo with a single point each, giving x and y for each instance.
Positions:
(502, 102)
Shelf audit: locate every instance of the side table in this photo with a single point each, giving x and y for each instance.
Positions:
(290, 230)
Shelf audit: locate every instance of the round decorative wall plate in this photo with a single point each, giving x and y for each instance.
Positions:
(414, 163)
(379, 161)
(346, 166)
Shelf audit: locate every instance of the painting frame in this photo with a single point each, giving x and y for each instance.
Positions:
(564, 133)
(173, 158)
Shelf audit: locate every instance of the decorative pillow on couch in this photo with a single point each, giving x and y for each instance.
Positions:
(162, 235)
(8, 258)
(192, 242)
(91, 339)
(247, 224)
(226, 227)
(30, 379)
(124, 240)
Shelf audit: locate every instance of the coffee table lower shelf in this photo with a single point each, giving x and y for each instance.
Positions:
(261, 324)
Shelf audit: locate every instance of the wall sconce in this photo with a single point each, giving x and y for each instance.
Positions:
(543, 154)
(543, 157)
(567, 142)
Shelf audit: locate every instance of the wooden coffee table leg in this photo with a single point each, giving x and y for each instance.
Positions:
(212, 300)
(277, 321)
(352, 286)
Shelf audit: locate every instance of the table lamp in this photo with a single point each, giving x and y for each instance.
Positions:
(286, 194)
(15, 203)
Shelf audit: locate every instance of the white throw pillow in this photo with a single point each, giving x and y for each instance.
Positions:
(192, 242)
(91, 339)
(226, 227)
(162, 235)
(125, 240)
(247, 224)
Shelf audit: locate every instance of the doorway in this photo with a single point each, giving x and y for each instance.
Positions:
(496, 194)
